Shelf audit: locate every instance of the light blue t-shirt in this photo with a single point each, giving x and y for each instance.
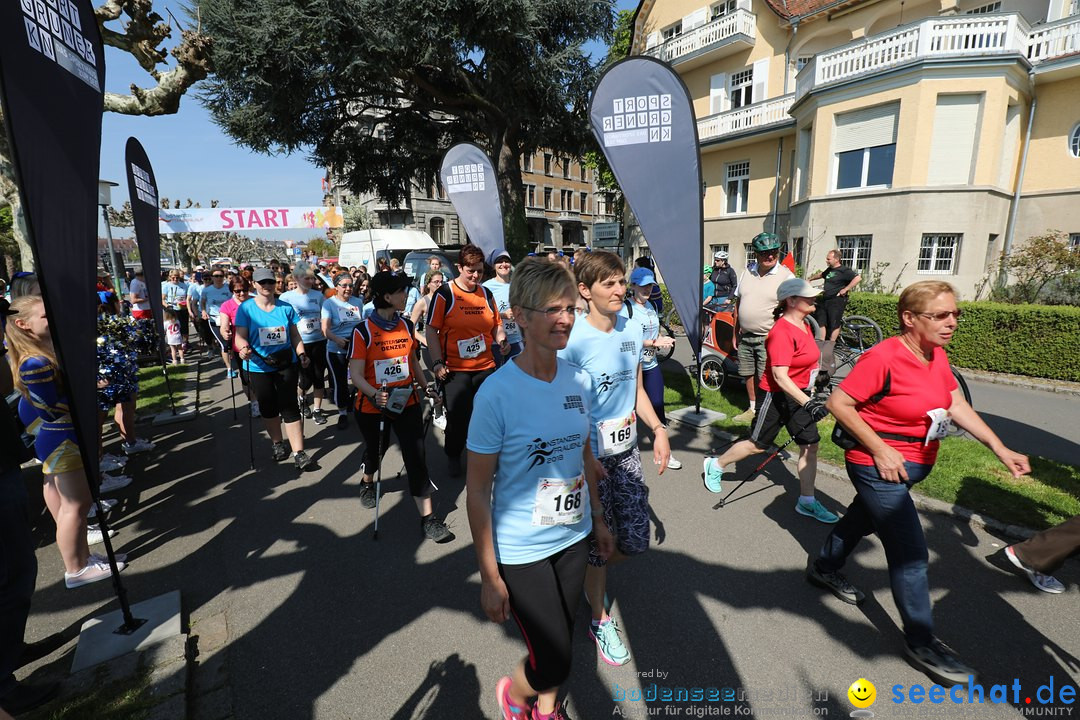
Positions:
(268, 332)
(501, 292)
(539, 499)
(213, 297)
(650, 325)
(194, 292)
(343, 318)
(612, 360)
(174, 293)
(308, 307)
(410, 300)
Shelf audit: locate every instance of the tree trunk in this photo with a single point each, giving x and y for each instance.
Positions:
(9, 196)
(515, 226)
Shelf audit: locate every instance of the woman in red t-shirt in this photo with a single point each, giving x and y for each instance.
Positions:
(897, 403)
(791, 367)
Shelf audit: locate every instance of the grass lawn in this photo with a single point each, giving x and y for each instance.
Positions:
(122, 699)
(153, 398)
(966, 473)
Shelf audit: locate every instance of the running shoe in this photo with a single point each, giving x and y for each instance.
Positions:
(305, 409)
(111, 463)
(281, 451)
(112, 483)
(834, 582)
(319, 418)
(342, 421)
(744, 417)
(941, 663)
(712, 473)
(367, 494)
(506, 708)
(1046, 583)
(255, 409)
(816, 510)
(607, 639)
(94, 535)
(109, 504)
(439, 421)
(559, 714)
(234, 374)
(674, 464)
(435, 529)
(96, 569)
(139, 446)
(303, 461)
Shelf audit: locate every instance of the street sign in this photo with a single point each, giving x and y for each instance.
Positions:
(605, 235)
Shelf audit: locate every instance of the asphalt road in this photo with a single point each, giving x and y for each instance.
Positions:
(324, 622)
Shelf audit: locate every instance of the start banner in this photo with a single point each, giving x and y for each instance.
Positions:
(259, 218)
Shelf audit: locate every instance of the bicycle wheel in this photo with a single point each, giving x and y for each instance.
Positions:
(859, 332)
(953, 428)
(712, 373)
(665, 353)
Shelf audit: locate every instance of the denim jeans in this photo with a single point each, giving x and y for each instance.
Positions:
(18, 573)
(887, 509)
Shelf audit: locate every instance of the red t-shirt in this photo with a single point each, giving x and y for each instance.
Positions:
(789, 346)
(914, 390)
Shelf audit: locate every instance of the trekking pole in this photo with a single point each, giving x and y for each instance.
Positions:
(378, 463)
(232, 393)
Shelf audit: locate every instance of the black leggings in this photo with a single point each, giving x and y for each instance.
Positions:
(338, 365)
(460, 390)
(409, 429)
(276, 393)
(313, 375)
(544, 596)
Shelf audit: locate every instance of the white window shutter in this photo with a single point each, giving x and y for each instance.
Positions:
(695, 19)
(952, 145)
(718, 96)
(652, 40)
(743, 4)
(761, 80)
(865, 128)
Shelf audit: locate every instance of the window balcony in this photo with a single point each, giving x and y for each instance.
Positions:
(980, 36)
(1054, 40)
(724, 36)
(535, 212)
(569, 216)
(750, 117)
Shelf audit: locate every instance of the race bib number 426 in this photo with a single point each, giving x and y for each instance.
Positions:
(560, 502)
(391, 370)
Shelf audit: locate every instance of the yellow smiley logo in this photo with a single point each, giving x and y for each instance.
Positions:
(862, 693)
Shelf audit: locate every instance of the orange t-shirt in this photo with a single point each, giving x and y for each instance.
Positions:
(466, 322)
(388, 356)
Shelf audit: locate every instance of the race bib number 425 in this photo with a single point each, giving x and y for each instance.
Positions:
(471, 348)
(271, 336)
(560, 502)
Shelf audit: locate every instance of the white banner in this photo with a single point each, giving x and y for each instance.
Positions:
(261, 218)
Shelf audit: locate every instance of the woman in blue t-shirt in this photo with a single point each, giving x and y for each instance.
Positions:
(341, 313)
(531, 489)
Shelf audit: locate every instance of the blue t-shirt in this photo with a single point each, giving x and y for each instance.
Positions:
(308, 307)
(539, 499)
(213, 298)
(194, 292)
(650, 325)
(501, 292)
(612, 360)
(708, 289)
(268, 332)
(174, 293)
(410, 300)
(343, 318)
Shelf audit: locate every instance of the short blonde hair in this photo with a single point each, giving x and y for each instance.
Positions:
(917, 296)
(538, 281)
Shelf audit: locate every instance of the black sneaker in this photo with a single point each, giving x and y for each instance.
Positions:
(454, 464)
(303, 461)
(940, 663)
(25, 696)
(367, 494)
(435, 529)
(342, 421)
(835, 583)
(281, 451)
(305, 410)
(319, 418)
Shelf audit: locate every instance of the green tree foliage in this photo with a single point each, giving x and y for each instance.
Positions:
(9, 248)
(322, 247)
(1042, 263)
(356, 216)
(379, 89)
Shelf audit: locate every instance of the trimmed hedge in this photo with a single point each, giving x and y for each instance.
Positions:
(1035, 340)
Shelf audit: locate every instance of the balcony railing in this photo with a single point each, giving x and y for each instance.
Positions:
(531, 211)
(569, 215)
(750, 117)
(1054, 40)
(705, 37)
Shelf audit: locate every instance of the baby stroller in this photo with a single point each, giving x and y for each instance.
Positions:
(718, 345)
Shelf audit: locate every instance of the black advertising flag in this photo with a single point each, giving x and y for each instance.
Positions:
(144, 211)
(469, 180)
(642, 117)
(52, 69)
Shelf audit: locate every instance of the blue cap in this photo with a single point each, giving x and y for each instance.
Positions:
(642, 277)
(496, 254)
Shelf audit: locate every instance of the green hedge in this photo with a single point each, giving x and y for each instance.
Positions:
(1035, 340)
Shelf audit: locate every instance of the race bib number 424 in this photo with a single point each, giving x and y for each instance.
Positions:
(271, 336)
(560, 502)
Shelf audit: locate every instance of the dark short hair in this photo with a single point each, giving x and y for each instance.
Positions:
(470, 255)
(597, 266)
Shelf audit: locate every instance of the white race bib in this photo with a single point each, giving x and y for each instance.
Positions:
(391, 370)
(471, 348)
(647, 354)
(510, 327)
(308, 325)
(560, 502)
(940, 425)
(272, 336)
(350, 313)
(616, 435)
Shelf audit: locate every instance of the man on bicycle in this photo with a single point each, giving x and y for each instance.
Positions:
(840, 280)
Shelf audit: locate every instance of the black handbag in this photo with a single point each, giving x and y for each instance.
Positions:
(281, 359)
(841, 437)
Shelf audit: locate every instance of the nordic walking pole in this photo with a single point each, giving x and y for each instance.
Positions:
(754, 472)
(378, 462)
(232, 393)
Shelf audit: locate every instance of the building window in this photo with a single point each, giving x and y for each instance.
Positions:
(566, 168)
(1074, 139)
(938, 253)
(738, 187)
(547, 163)
(855, 251)
(800, 62)
(864, 147)
(547, 198)
(566, 200)
(526, 162)
(742, 88)
(582, 167)
(584, 206)
(437, 230)
(724, 7)
(866, 167)
(1074, 241)
(983, 9)
(713, 249)
(530, 196)
(672, 31)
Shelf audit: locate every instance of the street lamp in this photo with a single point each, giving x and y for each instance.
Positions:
(104, 199)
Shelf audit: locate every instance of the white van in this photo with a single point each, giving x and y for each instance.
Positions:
(364, 246)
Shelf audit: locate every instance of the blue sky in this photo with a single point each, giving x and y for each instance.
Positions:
(193, 158)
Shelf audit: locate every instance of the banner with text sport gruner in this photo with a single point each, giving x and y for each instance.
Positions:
(142, 188)
(644, 122)
(469, 180)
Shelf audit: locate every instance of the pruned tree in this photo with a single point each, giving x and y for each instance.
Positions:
(379, 89)
(1040, 262)
(144, 34)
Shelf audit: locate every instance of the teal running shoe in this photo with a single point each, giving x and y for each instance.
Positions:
(610, 644)
(817, 511)
(713, 473)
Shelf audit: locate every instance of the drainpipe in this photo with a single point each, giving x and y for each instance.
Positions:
(1014, 207)
(776, 190)
(787, 53)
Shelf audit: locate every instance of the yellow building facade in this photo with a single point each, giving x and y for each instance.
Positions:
(921, 138)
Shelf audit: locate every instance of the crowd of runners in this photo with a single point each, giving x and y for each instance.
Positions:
(542, 376)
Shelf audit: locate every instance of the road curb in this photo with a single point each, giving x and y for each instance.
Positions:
(1032, 383)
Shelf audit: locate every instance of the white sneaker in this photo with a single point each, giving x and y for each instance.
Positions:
(111, 463)
(96, 569)
(139, 446)
(674, 464)
(440, 422)
(95, 536)
(109, 504)
(255, 409)
(112, 483)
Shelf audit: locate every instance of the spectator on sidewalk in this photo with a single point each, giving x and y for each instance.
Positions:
(139, 297)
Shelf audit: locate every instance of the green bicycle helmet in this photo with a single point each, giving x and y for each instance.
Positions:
(765, 241)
